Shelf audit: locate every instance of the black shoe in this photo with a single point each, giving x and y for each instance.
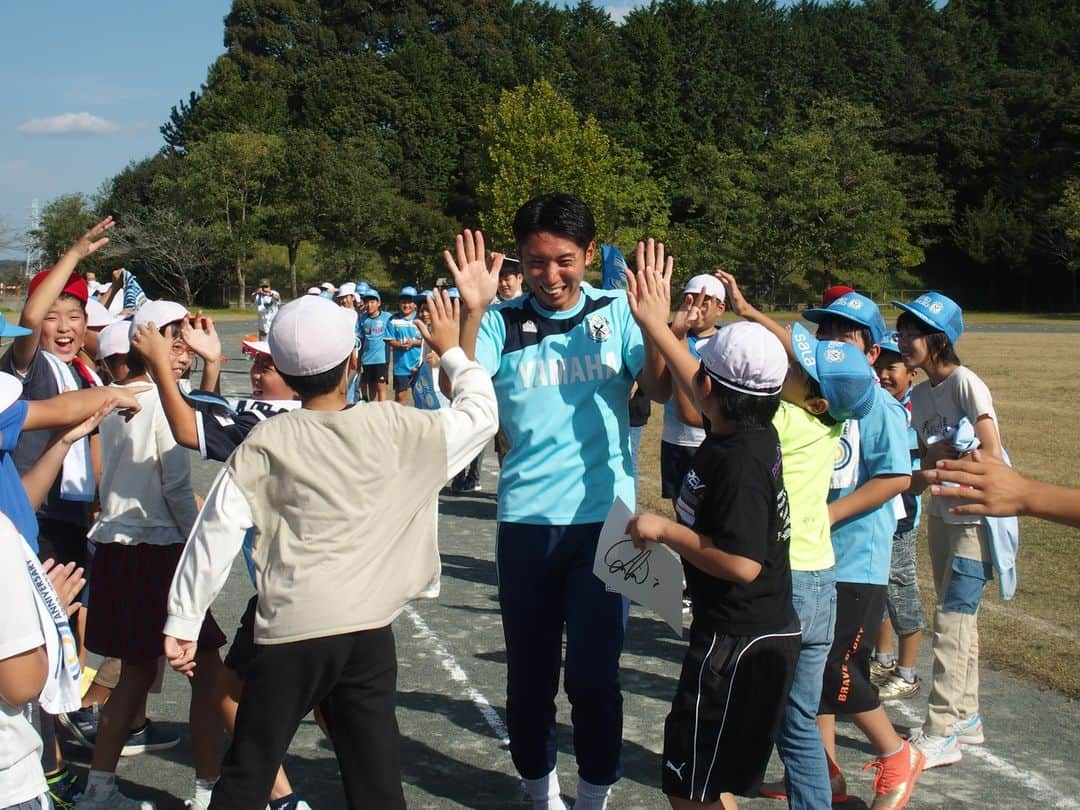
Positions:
(64, 789)
(81, 725)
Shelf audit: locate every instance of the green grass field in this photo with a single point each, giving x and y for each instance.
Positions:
(1033, 380)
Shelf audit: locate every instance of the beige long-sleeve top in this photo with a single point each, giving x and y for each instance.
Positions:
(344, 508)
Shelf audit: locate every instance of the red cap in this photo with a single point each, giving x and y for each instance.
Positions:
(76, 285)
(833, 293)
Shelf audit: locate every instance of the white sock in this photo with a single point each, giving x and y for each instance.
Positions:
(100, 782)
(909, 674)
(590, 796)
(544, 792)
(886, 659)
(203, 789)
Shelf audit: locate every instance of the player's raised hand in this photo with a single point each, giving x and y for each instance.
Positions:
(92, 240)
(691, 314)
(736, 302)
(476, 278)
(649, 286)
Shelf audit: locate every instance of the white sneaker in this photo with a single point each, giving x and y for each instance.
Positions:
(939, 751)
(111, 799)
(970, 731)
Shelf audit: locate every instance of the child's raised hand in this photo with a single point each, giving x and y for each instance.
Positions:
(93, 239)
(67, 581)
(151, 344)
(477, 280)
(649, 286)
(735, 300)
(646, 528)
(442, 333)
(690, 315)
(181, 654)
(199, 333)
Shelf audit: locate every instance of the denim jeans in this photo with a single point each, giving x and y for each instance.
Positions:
(806, 775)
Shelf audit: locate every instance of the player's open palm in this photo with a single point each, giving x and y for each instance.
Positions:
(442, 333)
(476, 278)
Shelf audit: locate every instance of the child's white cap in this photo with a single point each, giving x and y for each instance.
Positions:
(745, 357)
(97, 316)
(10, 390)
(314, 290)
(160, 313)
(348, 288)
(311, 335)
(709, 284)
(114, 339)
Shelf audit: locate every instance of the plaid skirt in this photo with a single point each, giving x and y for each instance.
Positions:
(129, 589)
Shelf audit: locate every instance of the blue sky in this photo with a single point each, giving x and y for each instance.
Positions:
(88, 84)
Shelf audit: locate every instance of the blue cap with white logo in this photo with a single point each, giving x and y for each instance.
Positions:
(938, 311)
(852, 307)
(407, 292)
(890, 342)
(362, 288)
(846, 379)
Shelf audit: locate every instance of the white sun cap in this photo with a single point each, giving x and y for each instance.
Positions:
(711, 285)
(311, 335)
(114, 339)
(160, 313)
(745, 357)
(97, 316)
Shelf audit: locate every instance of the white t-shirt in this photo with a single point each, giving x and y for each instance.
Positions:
(21, 777)
(267, 305)
(937, 407)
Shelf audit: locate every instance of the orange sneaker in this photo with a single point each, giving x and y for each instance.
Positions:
(896, 777)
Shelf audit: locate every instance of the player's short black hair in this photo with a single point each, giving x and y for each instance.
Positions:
(747, 411)
(938, 345)
(557, 213)
(316, 384)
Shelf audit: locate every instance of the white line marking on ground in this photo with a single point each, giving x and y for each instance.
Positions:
(1027, 620)
(1034, 782)
(458, 676)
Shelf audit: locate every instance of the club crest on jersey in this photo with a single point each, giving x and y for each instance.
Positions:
(599, 327)
(529, 326)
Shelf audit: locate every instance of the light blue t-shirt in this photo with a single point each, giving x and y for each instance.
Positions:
(405, 360)
(374, 330)
(13, 499)
(562, 381)
(863, 544)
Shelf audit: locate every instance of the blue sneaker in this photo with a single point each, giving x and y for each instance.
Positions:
(970, 731)
(64, 789)
(81, 725)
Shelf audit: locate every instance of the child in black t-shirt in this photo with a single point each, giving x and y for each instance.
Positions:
(733, 533)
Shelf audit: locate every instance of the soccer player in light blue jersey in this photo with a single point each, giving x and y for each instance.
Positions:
(563, 359)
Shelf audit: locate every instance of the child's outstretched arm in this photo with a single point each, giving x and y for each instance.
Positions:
(72, 407)
(155, 348)
(652, 281)
(870, 495)
(477, 282)
(744, 309)
(38, 480)
(473, 416)
(689, 544)
(37, 306)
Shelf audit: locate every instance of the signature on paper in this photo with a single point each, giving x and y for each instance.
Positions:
(635, 569)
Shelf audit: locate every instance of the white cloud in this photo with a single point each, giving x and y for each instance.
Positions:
(81, 123)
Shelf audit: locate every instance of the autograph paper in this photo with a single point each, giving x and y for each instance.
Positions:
(653, 578)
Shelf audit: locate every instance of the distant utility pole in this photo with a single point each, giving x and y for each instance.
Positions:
(33, 255)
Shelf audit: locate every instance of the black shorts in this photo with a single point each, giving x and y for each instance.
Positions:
(402, 382)
(374, 373)
(675, 460)
(727, 712)
(64, 542)
(242, 651)
(846, 686)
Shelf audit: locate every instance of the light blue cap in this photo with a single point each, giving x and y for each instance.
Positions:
(453, 292)
(362, 287)
(371, 292)
(938, 311)
(408, 292)
(890, 342)
(846, 379)
(853, 307)
(11, 330)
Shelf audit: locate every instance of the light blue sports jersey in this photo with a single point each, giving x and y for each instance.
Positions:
(863, 544)
(374, 331)
(562, 381)
(405, 360)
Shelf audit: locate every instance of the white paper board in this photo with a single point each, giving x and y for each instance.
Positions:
(652, 578)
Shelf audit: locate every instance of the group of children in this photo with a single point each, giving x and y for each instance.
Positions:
(794, 516)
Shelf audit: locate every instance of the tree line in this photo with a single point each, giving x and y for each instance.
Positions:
(889, 144)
